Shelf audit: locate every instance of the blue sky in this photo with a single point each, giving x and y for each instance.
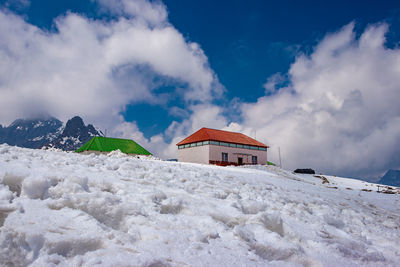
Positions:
(249, 66)
(245, 41)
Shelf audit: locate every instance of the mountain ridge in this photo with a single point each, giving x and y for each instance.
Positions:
(47, 132)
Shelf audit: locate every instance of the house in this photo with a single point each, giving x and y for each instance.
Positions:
(210, 146)
(99, 144)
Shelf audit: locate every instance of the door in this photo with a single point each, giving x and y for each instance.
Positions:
(240, 161)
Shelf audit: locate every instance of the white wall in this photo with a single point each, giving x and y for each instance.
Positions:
(216, 154)
(203, 154)
(197, 154)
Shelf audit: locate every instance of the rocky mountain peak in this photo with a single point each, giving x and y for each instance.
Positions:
(74, 127)
(47, 132)
(74, 134)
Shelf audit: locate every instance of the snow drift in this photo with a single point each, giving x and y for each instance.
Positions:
(67, 209)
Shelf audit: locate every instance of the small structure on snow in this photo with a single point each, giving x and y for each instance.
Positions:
(99, 144)
(306, 171)
(210, 146)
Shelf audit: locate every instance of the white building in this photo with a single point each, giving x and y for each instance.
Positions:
(210, 146)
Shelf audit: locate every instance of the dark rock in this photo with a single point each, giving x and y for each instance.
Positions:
(74, 135)
(306, 171)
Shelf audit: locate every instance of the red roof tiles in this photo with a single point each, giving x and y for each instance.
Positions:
(206, 134)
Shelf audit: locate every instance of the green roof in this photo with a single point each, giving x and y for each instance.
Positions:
(107, 144)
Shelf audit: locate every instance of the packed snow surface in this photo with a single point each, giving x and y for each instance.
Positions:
(68, 209)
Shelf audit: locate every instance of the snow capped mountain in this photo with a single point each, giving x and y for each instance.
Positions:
(31, 133)
(47, 132)
(68, 209)
(74, 135)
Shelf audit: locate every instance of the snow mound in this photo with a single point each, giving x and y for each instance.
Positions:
(69, 209)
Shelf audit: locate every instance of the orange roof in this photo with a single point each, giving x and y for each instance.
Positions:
(206, 134)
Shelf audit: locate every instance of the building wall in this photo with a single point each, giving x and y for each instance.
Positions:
(203, 154)
(216, 154)
(198, 154)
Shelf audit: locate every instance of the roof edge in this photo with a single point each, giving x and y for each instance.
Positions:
(208, 138)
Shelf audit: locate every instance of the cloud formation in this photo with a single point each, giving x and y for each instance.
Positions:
(95, 68)
(340, 113)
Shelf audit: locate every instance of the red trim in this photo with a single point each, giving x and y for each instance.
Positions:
(227, 163)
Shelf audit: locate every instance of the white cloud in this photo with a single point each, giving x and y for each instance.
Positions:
(95, 68)
(341, 112)
(149, 12)
(273, 82)
(130, 130)
(19, 5)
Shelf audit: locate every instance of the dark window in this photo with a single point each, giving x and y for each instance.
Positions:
(254, 159)
(240, 161)
(225, 157)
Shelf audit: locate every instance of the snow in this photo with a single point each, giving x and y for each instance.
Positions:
(38, 124)
(68, 209)
(37, 138)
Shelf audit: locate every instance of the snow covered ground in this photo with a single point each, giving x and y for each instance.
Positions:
(67, 209)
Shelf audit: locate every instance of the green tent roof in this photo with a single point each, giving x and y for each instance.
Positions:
(107, 144)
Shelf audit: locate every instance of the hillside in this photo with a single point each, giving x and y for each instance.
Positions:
(115, 210)
(391, 177)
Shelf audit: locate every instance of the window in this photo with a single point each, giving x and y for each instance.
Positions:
(254, 147)
(223, 144)
(239, 146)
(199, 143)
(187, 145)
(254, 159)
(262, 148)
(206, 142)
(245, 146)
(232, 145)
(192, 144)
(181, 146)
(214, 143)
(225, 157)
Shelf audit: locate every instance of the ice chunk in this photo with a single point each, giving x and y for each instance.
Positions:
(14, 182)
(171, 206)
(272, 253)
(252, 207)
(244, 234)
(36, 187)
(336, 222)
(273, 222)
